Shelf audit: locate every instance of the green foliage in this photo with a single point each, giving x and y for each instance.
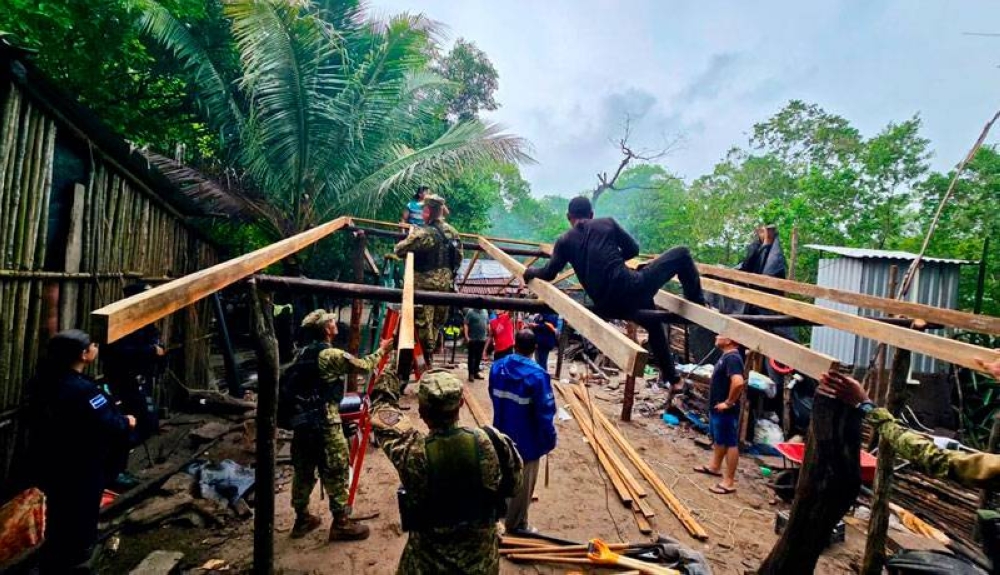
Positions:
(472, 81)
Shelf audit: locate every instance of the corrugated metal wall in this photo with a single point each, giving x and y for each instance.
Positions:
(845, 274)
(936, 284)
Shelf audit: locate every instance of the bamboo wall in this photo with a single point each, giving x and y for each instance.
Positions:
(125, 233)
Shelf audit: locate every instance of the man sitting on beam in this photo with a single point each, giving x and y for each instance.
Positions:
(598, 249)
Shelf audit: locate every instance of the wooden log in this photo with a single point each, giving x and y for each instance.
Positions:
(829, 482)
(628, 355)
(803, 359)
(125, 316)
(69, 291)
(878, 525)
(669, 499)
(952, 351)
(930, 314)
(266, 347)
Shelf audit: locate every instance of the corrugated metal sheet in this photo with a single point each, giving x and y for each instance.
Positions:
(845, 274)
(936, 284)
(863, 253)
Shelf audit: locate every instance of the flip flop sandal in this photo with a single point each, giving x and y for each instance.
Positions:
(706, 471)
(720, 490)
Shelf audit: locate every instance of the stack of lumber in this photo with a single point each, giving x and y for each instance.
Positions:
(948, 506)
(527, 550)
(604, 437)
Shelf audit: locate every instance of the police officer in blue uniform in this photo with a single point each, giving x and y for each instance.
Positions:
(76, 430)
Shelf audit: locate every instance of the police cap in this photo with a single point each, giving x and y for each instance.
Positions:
(440, 391)
(318, 318)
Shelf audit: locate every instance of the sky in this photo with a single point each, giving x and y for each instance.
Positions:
(704, 72)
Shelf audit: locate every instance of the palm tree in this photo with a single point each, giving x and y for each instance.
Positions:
(319, 119)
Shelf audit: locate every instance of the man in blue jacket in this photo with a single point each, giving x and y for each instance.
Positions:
(524, 409)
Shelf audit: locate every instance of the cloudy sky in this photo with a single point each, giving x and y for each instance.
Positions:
(570, 71)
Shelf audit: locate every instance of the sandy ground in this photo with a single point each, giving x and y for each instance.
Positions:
(578, 503)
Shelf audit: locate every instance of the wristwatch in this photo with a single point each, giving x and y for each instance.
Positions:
(866, 407)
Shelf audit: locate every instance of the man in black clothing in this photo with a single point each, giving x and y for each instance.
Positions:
(598, 249)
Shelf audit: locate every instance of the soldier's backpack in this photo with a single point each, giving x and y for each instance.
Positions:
(301, 402)
(508, 478)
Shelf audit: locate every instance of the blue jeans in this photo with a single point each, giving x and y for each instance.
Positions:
(542, 357)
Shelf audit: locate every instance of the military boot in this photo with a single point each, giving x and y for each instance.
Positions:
(346, 529)
(304, 523)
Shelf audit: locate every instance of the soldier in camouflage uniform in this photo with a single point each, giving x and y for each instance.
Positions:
(977, 470)
(454, 479)
(320, 443)
(437, 253)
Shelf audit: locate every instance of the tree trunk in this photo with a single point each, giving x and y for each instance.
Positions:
(266, 346)
(829, 483)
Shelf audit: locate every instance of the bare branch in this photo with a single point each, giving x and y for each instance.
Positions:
(629, 154)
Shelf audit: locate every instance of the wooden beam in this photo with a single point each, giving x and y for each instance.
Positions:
(407, 335)
(564, 276)
(930, 314)
(956, 352)
(627, 355)
(474, 408)
(669, 499)
(473, 237)
(805, 360)
(122, 317)
(370, 262)
(513, 277)
(468, 270)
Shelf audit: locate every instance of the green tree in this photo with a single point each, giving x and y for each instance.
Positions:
(472, 81)
(315, 122)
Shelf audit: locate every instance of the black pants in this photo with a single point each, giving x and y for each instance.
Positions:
(72, 507)
(673, 262)
(475, 357)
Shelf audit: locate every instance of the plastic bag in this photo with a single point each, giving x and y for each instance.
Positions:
(767, 432)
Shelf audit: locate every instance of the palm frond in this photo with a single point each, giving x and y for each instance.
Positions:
(215, 94)
(464, 144)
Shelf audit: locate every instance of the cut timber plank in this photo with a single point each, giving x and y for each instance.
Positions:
(624, 494)
(627, 354)
(475, 409)
(641, 519)
(956, 352)
(468, 270)
(563, 276)
(122, 317)
(370, 262)
(406, 330)
(930, 314)
(669, 499)
(805, 360)
(158, 563)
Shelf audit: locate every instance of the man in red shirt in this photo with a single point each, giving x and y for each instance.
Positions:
(502, 334)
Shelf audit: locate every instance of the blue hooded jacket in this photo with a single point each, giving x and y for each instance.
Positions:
(523, 405)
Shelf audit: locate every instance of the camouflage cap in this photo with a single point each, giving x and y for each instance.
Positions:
(318, 318)
(434, 200)
(440, 390)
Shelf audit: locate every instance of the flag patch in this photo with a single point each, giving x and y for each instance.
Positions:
(98, 401)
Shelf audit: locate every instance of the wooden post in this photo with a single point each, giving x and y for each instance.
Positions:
(629, 398)
(881, 377)
(878, 525)
(754, 362)
(226, 346)
(354, 344)
(561, 348)
(977, 307)
(69, 292)
(829, 483)
(266, 346)
(793, 257)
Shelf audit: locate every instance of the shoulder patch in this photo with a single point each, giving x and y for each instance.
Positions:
(98, 401)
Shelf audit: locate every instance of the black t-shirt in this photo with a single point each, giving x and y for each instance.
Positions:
(729, 364)
(597, 249)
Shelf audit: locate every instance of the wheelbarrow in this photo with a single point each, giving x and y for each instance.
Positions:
(792, 455)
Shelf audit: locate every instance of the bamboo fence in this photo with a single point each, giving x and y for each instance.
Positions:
(126, 234)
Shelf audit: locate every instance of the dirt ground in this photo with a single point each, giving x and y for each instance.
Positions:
(578, 503)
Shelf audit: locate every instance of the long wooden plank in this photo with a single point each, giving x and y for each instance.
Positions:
(803, 359)
(627, 354)
(407, 338)
(956, 352)
(468, 270)
(669, 499)
(564, 276)
(930, 314)
(617, 481)
(122, 317)
(474, 408)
